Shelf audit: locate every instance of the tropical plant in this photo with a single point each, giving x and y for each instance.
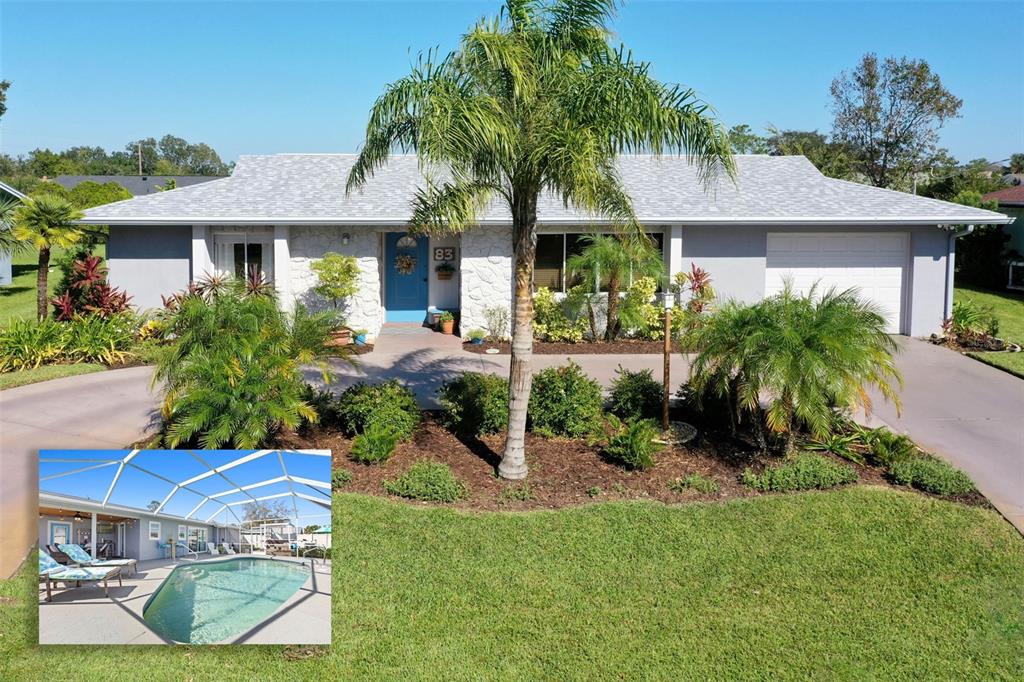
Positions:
(8, 242)
(804, 354)
(337, 277)
(375, 444)
(429, 481)
(497, 322)
(86, 291)
(611, 260)
(635, 395)
(695, 286)
(232, 374)
(474, 404)
(27, 345)
(970, 321)
(886, 448)
(46, 222)
(389, 402)
(535, 100)
(640, 315)
(565, 402)
(803, 472)
(632, 443)
(476, 335)
(552, 320)
(839, 444)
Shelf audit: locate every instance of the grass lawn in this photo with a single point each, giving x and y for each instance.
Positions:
(18, 299)
(857, 583)
(45, 373)
(1009, 309)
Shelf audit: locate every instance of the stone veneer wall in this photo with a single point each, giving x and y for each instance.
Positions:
(486, 274)
(309, 243)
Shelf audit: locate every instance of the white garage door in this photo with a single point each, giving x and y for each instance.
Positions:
(872, 262)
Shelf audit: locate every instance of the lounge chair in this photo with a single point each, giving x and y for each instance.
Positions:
(212, 548)
(58, 556)
(82, 558)
(52, 572)
(227, 548)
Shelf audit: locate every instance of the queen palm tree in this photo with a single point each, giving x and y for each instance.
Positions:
(45, 222)
(613, 259)
(533, 101)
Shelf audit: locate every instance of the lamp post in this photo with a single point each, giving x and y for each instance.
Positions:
(668, 299)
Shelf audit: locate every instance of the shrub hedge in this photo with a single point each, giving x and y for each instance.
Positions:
(565, 402)
(388, 402)
(426, 480)
(475, 404)
(803, 472)
(931, 475)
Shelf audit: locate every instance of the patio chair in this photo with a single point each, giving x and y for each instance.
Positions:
(58, 556)
(211, 547)
(52, 572)
(227, 548)
(81, 557)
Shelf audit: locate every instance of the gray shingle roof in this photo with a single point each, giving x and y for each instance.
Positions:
(137, 185)
(310, 188)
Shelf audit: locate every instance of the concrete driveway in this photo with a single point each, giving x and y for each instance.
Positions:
(968, 413)
(962, 410)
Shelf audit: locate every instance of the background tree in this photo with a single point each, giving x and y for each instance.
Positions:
(831, 158)
(888, 115)
(3, 96)
(46, 222)
(266, 510)
(534, 100)
(744, 140)
(610, 260)
(1017, 163)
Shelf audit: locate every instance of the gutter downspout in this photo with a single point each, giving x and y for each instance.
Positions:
(950, 262)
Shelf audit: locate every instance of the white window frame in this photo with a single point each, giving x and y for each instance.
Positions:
(227, 240)
(49, 531)
(159, 530)
(182, 532)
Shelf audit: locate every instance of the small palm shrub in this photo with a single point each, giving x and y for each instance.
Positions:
(429, 481)
(475, 404)
(388, 402)
(375, 444)
(803, 472)
(840, 444)
(631, 443)
(693, 482)
(886, 448)
(565, 402)
(931, 475)
(635, 395)
(340, 478)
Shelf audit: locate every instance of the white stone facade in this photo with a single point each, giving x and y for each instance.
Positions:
(310, 243)
(486, 278)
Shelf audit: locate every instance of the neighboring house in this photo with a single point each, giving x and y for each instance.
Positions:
(137, 185)
(6, 272)
(123, 531)
(781, 219)
(1011, 202)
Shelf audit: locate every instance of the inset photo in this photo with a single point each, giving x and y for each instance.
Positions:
(184, 547)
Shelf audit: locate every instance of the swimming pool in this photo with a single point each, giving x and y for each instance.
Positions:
(212, 601)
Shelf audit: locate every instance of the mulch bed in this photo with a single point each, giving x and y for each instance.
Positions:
(977, 344)
(563, 473)
(623, 346)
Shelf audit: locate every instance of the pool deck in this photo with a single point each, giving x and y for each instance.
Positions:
(82, 615)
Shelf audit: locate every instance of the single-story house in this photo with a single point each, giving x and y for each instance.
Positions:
(780, 219)
(1011, 202)
(137, 185)
(7, 193)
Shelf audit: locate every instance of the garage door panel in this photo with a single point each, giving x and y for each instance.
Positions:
(872, 263)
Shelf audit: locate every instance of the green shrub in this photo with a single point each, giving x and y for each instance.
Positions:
(931, 475)
(632, 443)
(839, 444)
(323, 403)
(88, 338)
(340, 478)
(375, 444)
(551, 322)
(516, 493)
(426, 480)
(475, 404)
(565, 401)
(803, 472)
(642, 318)
(694, 482)
(635, 395)
(27, 345)
(389, 402)
(886, 448)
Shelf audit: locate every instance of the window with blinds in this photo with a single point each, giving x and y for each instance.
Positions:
(554, 249)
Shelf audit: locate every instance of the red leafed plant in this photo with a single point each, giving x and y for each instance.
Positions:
(89, 293)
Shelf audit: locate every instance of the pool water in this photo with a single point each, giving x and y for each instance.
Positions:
(213, 601)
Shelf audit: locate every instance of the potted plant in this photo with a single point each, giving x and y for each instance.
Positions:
(445, 271)
(337, 279)
(359, 336)
(476, 336)
(447, 322)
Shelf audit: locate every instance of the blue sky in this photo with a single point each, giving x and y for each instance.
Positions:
(137, 488)
(300, 76)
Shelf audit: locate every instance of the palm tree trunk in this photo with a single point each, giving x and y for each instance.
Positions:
(612, 326)
(524, 238)
(42, 302)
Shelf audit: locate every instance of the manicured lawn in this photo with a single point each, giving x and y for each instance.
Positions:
(45, 373)
(18, 299)
(857, 583)
(1009, 309)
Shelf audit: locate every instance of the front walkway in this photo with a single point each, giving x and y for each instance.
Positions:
(82, 615)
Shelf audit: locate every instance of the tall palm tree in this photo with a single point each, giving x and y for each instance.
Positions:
(45, 222)
(533, 101)
(613, 259)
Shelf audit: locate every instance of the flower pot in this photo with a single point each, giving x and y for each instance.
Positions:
(447, 326)
(445, 275)
(360, 339)
(476, 342)
(340, 337)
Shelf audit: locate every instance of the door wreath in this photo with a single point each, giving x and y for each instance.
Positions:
(405, 264)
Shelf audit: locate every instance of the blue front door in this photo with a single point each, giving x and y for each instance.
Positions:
(405, 277)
